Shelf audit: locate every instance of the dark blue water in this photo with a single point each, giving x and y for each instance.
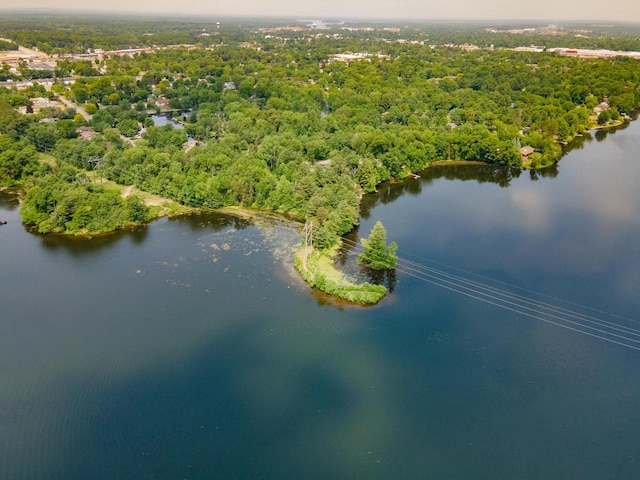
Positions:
(190, 349)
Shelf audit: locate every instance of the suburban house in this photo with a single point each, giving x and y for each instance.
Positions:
(85, 133)
(525, 152)
(601, 107)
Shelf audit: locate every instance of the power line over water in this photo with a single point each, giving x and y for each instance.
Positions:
(580, 319)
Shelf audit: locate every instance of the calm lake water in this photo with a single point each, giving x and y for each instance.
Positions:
(162, 120)
(189, 349)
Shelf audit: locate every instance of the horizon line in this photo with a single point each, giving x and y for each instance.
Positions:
(35, 11)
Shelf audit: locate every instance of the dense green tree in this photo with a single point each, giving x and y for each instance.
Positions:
(377, 255)
(129, 127)
(43, 136)
(18, 160)
(280, 126)
(65, 202)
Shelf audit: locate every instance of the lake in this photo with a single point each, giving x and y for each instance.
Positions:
(191, 349)
(162, 120)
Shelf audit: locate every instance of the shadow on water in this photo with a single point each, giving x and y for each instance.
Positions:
(599, 135)
(548, 172)
(387, 278)
(347, 261)
(497, 174)
(9, 199)
(326, 300)
(389, 192)
(348, 248)
(78, 246)
(213, 220)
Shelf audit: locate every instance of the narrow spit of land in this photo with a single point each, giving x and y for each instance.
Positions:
(318, 270)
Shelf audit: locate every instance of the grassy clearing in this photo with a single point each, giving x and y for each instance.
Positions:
(159, 206)
(456, 162)
(257, 216)
(318, 270)
(46, 158)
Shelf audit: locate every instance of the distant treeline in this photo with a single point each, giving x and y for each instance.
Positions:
(280, 124)
(53, 33)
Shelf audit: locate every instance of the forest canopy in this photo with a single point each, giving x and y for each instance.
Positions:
(297, 122)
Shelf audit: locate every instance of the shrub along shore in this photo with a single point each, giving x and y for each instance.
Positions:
(317, 268)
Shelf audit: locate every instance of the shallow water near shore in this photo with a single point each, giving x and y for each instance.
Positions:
(190, 349)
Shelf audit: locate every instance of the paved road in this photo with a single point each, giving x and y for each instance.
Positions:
(47, 82)
(77, 108)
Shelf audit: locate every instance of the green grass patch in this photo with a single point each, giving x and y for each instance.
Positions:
(46, 158)
(319, 271)
(158, 206)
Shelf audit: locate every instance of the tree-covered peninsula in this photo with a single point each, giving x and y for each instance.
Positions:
(289, 120)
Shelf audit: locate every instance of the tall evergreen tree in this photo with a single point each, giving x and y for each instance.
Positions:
(377, 254)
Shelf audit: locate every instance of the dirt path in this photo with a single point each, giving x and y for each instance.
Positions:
(127, 191)
(303, 256)
(149, 199)
(77, 108)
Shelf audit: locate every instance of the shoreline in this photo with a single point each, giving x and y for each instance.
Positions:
(318, 271)
(165, 207)
(457, 162)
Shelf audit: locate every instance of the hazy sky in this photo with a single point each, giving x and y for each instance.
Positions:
(598, 11)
